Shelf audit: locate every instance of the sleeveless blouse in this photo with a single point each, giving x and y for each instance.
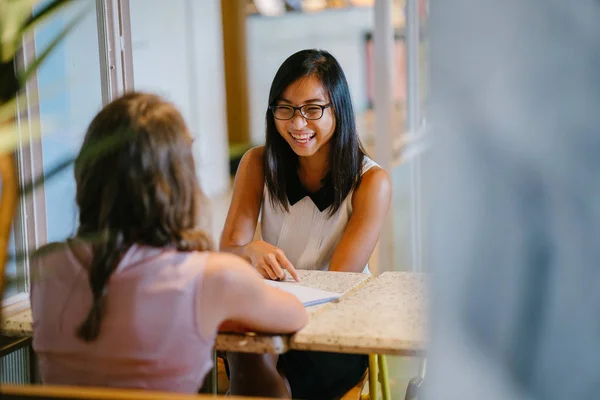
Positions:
(306, 233)
(151, 332)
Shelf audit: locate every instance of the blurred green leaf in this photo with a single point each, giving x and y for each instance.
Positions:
(16, 20)
(32, 68)
(9, 109)
(13, 15)
(47, 11)
(55, 170)
(10, 138)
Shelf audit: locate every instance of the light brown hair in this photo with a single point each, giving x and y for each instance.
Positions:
(141, 188)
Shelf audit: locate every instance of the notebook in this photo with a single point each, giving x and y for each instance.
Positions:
(307, 295)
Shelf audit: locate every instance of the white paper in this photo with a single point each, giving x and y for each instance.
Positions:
(307, 295)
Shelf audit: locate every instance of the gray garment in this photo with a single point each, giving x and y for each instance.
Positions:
(515, 200)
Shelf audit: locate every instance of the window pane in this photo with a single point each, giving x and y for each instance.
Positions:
(70, 95)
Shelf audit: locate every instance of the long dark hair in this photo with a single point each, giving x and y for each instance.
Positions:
(141, 190)
(347, 153)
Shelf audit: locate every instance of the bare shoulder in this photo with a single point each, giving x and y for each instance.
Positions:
(226, 268)
(52, 262)
(374, 190)
(256, 152)
(375, 180)
(59, 249)
(219, 260)
(253, 158)
(250, 174)
(49, 248)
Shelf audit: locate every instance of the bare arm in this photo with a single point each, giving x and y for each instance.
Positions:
(244, 209)
(242, 218)
(235, 293)
(370, 204)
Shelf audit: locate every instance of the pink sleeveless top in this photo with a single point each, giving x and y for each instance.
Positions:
(150, 336)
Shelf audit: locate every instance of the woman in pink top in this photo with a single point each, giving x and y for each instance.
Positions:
(135, 299)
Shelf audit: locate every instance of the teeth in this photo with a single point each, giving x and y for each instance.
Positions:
(301, 137)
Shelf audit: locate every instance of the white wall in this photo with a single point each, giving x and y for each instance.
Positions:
(178, 53)
(270, 40)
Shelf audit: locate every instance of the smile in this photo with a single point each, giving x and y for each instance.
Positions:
(303, 138)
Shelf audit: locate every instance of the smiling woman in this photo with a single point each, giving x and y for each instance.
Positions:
(313, 127)
(322, 203)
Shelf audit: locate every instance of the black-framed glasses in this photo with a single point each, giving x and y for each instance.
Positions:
(308, 111)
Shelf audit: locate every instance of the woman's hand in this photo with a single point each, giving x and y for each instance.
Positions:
(269, 260)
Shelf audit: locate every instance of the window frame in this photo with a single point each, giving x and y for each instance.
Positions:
(29, 223)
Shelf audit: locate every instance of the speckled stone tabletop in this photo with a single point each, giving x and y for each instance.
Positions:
(386, 315)
(18, 325)
(340, 282)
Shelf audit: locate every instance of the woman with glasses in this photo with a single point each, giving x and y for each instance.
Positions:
(321, 202)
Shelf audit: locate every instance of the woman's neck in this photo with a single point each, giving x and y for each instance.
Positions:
(312, 170)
